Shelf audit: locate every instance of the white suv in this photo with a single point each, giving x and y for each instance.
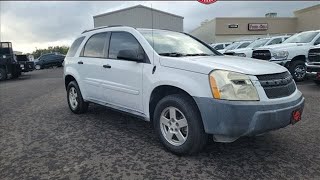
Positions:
(183, 86)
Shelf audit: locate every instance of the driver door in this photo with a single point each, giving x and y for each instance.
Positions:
(121, 80)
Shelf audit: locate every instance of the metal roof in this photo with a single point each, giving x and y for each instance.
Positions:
(138, 6)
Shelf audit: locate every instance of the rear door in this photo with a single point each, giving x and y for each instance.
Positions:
(89, 65)
(122, 79)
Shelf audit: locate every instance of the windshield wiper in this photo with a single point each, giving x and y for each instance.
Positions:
(172, 54)
(199, 54)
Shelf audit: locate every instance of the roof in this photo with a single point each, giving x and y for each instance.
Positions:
(307, 9)
(138, 6)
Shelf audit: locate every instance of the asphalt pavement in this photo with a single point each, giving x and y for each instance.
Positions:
(40, 138)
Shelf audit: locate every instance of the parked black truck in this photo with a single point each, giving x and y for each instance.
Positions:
(25, 64)
(8, 64)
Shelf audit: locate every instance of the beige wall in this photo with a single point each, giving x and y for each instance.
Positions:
(206, 32)
(308, 18)
(275, 26)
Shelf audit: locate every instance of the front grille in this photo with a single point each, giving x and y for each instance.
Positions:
(277, 85)
(261, 54)
(314, 55)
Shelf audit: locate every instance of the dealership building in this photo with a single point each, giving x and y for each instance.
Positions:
(140, 17)
(225, 29)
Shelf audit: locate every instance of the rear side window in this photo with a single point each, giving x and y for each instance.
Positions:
(122, 41)
(74, 47)
(95, 46)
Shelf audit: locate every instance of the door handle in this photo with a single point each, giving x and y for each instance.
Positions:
(80, 62)
(106, 66)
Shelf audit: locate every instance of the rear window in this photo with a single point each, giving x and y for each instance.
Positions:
(74, 47)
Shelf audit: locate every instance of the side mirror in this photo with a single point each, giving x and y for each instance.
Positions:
(130, 55)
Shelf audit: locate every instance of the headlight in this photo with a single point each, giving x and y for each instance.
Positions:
(232, 86)
(280, 54)
(240, 54)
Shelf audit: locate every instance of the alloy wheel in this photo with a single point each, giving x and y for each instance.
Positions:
(174, 126)
(73, 95)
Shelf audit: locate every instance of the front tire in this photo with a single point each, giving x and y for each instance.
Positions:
(298, 70)
(75, 101)
(178, 124)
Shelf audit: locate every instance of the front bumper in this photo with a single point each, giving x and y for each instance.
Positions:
(313, 67)
(233, 119)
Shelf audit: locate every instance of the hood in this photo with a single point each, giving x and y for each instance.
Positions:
(282, 46)
(243, 50)
(205, 64)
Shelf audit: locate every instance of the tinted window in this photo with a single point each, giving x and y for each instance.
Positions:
(95, 46)
(317, 41)
(244, 45)
(275, 41)
(123, 41)
(218, 47)
(74, 47)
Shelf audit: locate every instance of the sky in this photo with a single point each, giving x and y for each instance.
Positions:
(39, 24)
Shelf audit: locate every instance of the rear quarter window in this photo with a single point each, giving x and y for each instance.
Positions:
(74, 47)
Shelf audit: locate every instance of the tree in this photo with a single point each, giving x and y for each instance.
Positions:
(51, 49)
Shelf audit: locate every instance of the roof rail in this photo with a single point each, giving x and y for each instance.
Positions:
(102, 27)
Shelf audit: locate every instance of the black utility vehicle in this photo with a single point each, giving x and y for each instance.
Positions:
(25, 64)
(313, 63)
(8, 63)
(49, 60)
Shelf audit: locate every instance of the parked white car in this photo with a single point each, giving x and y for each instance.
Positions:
(235, 45)
(292, 53)
(179, 84)
(220, 46)
(247, 52)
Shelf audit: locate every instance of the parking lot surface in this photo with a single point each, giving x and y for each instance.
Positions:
(41, 139)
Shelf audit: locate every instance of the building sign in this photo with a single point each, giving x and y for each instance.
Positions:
(257, 26)
(207, 1)
(233, 25)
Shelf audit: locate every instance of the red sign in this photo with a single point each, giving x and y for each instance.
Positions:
(207, 1)
(257, 26)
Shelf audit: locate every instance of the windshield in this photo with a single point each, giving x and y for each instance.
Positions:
(233, 46)
(258, 43)
(304, 37)
(167, 43)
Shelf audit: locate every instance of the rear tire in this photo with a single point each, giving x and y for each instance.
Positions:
(75, 101)
(3, 74)
(298, 70)
(183, 123)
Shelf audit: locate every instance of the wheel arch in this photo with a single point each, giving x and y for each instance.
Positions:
(296, 58)
(161, 91)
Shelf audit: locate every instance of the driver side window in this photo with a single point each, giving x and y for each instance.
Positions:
(122, 41)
